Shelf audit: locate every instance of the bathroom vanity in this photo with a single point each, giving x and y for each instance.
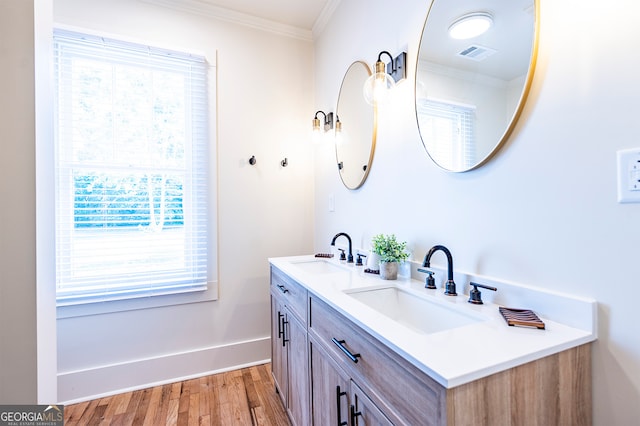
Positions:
(344, 353)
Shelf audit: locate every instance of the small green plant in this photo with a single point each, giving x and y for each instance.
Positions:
(389, 249)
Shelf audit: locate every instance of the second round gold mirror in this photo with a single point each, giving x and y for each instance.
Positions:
(355, 132)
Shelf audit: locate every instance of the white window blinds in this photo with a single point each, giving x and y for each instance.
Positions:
(450, 131)
(131, 170)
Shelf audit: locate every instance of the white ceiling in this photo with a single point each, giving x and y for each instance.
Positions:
(301, 18)
(297, 13)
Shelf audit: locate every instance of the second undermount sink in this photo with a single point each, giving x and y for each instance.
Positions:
(412, 311)
(320, 266)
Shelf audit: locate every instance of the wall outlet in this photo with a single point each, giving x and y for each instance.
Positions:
(629, 176)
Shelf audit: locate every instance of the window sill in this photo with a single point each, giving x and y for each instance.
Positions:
(132, 304)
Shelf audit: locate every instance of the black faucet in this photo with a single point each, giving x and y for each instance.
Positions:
(450, 287)
(333, 243)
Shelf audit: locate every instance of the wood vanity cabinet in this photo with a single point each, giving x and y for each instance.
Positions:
(289, 353)
(339, 374)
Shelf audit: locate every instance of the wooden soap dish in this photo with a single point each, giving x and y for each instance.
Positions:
(521, 318)
(324, 255)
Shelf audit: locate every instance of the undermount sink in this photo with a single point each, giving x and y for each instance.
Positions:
(412, 311)
(320, 266)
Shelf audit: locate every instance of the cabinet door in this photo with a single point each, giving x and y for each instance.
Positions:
(297, 354)
(329, 389)
(278, 348)
(363, 411)
(405, 394)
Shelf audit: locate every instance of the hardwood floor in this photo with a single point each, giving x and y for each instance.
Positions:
(241, 397)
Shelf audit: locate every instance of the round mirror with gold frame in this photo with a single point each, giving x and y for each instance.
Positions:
(355, 129)
(470, 89)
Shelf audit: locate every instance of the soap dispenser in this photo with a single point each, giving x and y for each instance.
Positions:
(373, 261)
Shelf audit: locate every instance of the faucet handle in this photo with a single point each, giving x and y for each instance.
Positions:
(359, 259)
(342, 255)
(475, 296)
(430, 282)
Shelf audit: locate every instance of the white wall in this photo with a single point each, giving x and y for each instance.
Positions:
(544, 211)
(28, 333)
(264, 108)
(18, 351)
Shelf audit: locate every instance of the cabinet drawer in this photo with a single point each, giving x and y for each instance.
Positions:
(292, 293)
(405, 394)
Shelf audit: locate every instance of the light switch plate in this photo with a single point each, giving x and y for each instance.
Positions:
(629, 176)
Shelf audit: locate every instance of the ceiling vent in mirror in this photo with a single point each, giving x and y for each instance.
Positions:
(476, 52)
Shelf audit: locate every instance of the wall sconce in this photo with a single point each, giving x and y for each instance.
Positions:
(470, 25)
(377, 87)
(328, 122)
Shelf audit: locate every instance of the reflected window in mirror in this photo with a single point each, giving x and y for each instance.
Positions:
(450, 127)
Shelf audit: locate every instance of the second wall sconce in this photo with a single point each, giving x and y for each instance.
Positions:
(377, 87)
(327, 123)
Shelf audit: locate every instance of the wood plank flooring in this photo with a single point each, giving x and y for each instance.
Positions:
(241, 397)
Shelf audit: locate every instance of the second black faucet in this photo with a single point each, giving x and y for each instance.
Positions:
(450, 287)
(333, 243)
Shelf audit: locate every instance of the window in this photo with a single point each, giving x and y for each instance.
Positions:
(131, 170)
(449, 129)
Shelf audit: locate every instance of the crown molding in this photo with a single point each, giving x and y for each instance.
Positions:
(325, 15)
(211, 11)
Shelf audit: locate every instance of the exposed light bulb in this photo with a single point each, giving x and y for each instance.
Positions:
(339, 134)
(377, 87)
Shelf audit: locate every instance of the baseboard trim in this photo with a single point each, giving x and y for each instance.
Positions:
(106, 380)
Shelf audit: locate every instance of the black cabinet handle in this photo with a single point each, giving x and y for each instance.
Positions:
(284, 331)
(282, 288)
(340, 394)
(354, 415)
(340, 343)
(280, 330)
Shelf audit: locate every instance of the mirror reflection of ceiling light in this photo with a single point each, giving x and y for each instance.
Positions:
(470, 25)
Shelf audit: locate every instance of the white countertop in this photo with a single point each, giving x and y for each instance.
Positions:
(459, 355)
